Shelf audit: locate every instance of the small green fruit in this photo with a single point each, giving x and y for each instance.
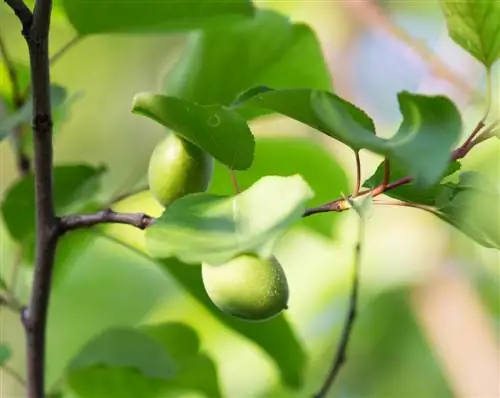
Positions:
(247, 287)
(177, 168)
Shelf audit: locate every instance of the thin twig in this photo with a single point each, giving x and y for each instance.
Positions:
(358, 173)
(340, 354)
(13, 373)
(64, 49)
(234, 181)
(77, 221)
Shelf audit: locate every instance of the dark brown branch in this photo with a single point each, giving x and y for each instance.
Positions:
(340, 354)
(76, 221)
(23, 13)
(36, 32)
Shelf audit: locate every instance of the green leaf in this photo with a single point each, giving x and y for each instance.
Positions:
(3, 284)
(23, 80)
(217, 130)
(118, 16)
(210, 228)
(74, 187)
(285, 157)
(288, 354)
(430, 129)
(126, 348)
(472, 206)
(474, 25)
(431, 126)
(195, 371)
(5, 354)
(266, 50)
(24, 114)
(408, 192)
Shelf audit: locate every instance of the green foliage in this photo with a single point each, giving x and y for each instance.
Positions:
(153, 17)
(471, 205)
(219, 64)
(75, 187)
(430, 128)
(24, 114)
(145, 361)
(286, 156)
(214, 229)
(5, 353)
(6, 89)
(473, 24)
(3, 284)
(214, 128)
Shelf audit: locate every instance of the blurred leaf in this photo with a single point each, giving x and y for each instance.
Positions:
(275, 336)
(23, 80)
(5, 354)
(74, 187)
(217, 130)
(3, 284)
(24, 114)
(408, 192)
(195, 371)
(473, 206)
(430, 128)
(266, 50)
(289, 355)
(126, 348)
(285, 157)
(118, 16)
(474, 25)
(213, 229)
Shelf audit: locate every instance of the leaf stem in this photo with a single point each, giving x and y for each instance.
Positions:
(341, 352)
(232, 173)
(64, 49)
(358, 173)
(13, 373)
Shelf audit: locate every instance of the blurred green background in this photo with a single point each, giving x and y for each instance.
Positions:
(429, 312)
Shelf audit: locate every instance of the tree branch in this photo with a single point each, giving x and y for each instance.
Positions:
(340, 354)
(76, 221)
(23, 13)
(36, 32)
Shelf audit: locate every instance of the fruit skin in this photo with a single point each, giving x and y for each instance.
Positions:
(247, 287)
(177, 168)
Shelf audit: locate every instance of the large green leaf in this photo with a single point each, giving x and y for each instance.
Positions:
(24, 114)
(210, 228)
(217, 130)
(475, 26)
(219, 64)
(431, 126)
(289, 355)
(74, 187)
(287, 156)
(5, 353)
(473, 206)
(119, 16)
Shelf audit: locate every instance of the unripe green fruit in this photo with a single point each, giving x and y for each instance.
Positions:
(247, 287)
(177, 168)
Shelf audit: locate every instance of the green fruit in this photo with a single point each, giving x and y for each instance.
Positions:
(177, 168)
(247, 287)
